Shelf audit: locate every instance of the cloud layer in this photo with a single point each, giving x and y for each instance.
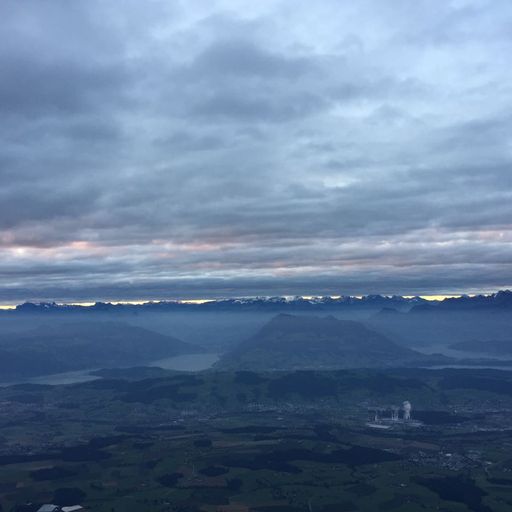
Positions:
(198, 149)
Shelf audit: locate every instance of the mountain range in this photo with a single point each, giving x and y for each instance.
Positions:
(499, 301)
(236, 304)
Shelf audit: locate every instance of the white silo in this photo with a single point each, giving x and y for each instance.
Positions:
(407, 410)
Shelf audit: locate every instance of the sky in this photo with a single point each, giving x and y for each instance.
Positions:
(215, 148)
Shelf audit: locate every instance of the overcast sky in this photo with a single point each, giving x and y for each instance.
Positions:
(203, 148)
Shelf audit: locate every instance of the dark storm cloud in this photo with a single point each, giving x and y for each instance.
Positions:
(203, 149)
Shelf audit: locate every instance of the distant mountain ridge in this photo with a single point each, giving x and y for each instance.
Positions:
(235, 304)
(499, 300)
(295, 342)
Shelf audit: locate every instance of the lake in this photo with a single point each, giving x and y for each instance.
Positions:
(184, 363)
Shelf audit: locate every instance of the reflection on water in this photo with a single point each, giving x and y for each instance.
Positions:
(184, 363)
(445, 351)
(57, 378)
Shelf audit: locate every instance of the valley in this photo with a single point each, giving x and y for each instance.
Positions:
(279, 441)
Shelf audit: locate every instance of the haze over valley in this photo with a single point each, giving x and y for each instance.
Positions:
(264, 334)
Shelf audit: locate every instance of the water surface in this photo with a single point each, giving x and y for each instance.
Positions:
(184, 363)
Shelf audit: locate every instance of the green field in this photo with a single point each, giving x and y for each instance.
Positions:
(267, 442)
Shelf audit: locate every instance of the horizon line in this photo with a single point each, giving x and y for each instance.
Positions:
(87, 304)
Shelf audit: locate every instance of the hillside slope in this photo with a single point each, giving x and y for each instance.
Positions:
(76, 346)
(292, 342)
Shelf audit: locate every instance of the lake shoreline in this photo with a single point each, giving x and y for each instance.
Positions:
(183, 363)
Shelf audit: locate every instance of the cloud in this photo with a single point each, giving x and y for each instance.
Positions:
(203, 149)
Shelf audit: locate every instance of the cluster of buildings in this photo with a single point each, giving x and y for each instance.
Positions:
(447, 460)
